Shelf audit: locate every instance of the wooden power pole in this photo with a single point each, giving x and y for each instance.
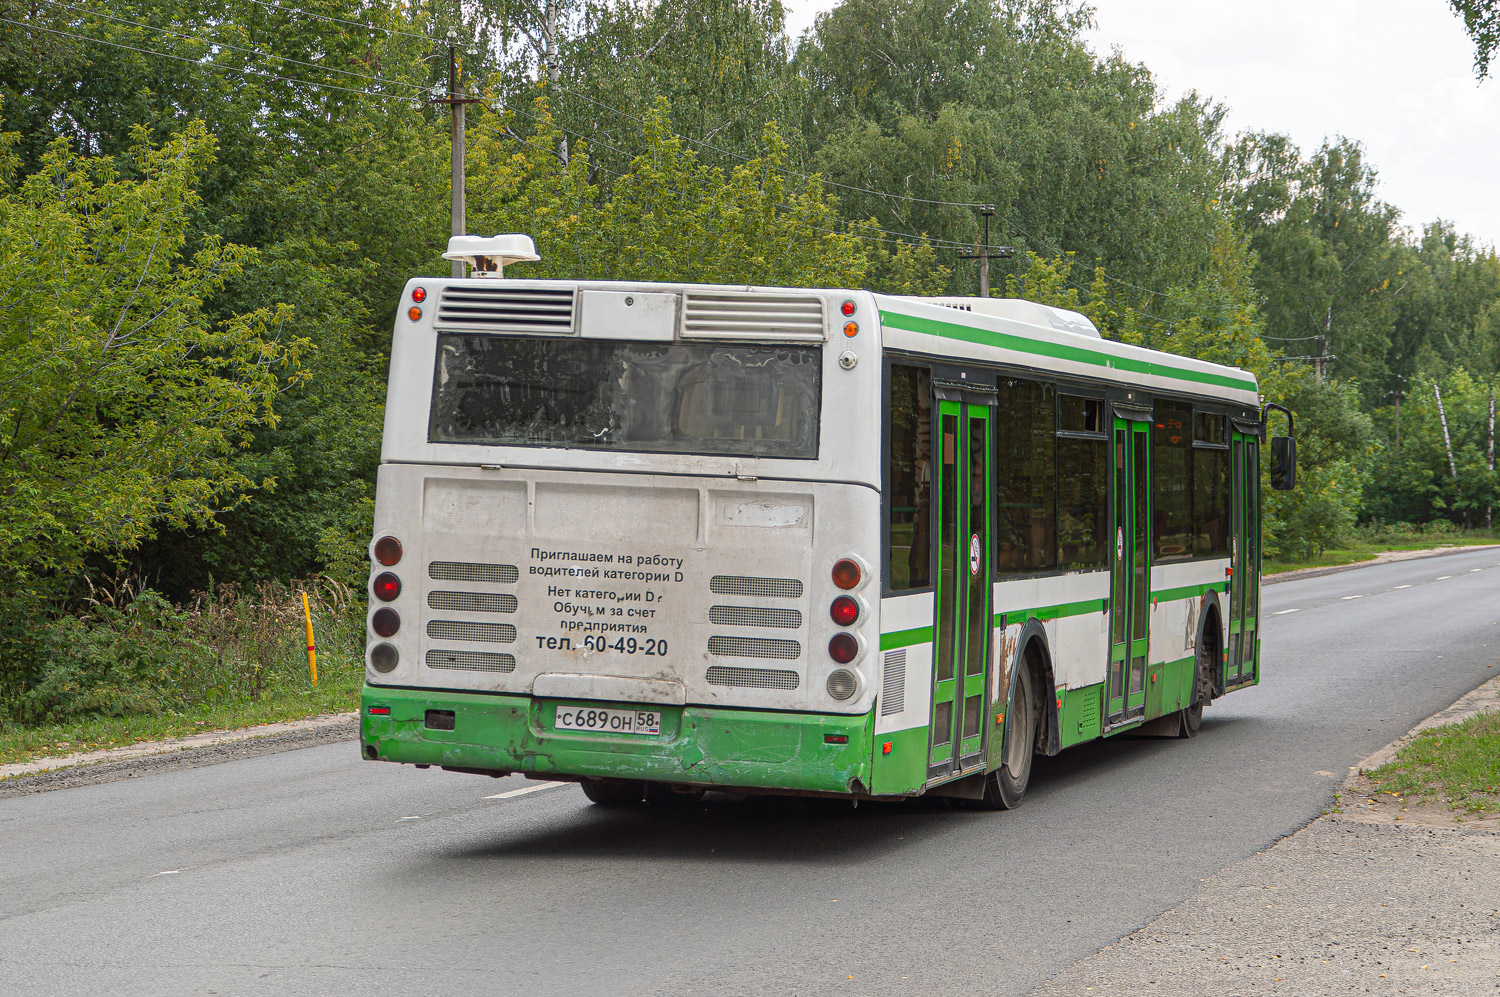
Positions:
(986, 252)
(456, 102)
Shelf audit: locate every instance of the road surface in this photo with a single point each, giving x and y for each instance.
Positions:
(314, 872)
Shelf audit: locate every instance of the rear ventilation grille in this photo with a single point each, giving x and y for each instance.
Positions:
(769, 588)
(752, 678)
(460, 571)
(507, 309)
(754, 616)
(496, 633)
(471, 661)
(754, 647)
(753, 316)
(893, 690)
(473, 602)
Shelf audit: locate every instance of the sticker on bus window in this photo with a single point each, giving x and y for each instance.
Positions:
(974, 554)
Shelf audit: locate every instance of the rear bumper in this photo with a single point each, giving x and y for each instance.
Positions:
(703, 746)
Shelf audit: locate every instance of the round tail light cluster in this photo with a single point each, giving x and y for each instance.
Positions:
(843, 647)
(385, 621)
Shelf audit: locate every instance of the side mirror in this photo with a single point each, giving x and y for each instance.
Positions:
(1283, 463)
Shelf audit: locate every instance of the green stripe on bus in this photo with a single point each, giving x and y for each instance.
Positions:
(906, 638)
(1050, 612)
(1187, 591)
(1059, 351)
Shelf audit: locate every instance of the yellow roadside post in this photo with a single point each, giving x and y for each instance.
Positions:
(312, 655)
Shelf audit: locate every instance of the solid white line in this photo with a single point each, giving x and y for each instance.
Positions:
(1283, 612)
(528, 789)
(1403, 586)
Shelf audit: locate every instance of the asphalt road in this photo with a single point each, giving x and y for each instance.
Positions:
(313, 872)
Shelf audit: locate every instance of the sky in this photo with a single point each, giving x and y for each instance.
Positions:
(1396, 75)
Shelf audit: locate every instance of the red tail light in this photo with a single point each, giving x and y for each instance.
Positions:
(842, 648)
(419, 294)
(844, 611)
(386, 622)
(387, 586)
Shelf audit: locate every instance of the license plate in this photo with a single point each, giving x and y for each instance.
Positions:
(592, 718)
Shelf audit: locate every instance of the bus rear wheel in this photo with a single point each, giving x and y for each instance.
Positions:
(613, 792)
(1203, 690)
(1006, 786)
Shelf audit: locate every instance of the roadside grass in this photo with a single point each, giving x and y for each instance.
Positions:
(1370, 543)
(1456, 763)
(133, 667)
(337, 692)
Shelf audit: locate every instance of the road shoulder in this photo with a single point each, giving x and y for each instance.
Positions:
(1379, 899)
(192, 751)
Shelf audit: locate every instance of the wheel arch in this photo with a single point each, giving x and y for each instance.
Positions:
(1033, 651)
(1212, 613)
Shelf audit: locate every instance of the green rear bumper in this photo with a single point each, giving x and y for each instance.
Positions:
(700, 745)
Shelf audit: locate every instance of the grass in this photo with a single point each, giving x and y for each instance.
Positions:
(1365, 549)
(1457, 763)
(337, 692)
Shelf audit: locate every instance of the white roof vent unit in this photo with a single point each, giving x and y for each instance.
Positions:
(487, 256)
(1018, 310)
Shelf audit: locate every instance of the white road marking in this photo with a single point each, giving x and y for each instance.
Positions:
(1441, 577)
(1403, 586)
(417, 817)
(1472, 570)
(1283, 612)
(527, 789)
(1348, 597)
(169, 872)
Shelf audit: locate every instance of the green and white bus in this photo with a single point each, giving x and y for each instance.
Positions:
(668, 538)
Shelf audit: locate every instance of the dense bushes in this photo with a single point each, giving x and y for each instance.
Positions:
(131, 651)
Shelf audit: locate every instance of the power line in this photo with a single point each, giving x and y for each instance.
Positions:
(258, 53)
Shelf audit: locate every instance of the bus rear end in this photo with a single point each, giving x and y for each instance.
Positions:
(629, 534)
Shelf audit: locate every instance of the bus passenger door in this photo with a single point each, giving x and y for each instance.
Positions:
(1244, 560)
(1130, 576)
(963, 624)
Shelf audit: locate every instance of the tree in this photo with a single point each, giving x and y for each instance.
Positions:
(1482, 21)
(122, 403)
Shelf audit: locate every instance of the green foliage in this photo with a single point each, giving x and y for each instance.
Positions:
(131, 652)
(1334, 439)
(1482, 22)
(122, 402)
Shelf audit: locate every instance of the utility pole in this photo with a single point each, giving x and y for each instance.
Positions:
(987, 252)
(456, 102)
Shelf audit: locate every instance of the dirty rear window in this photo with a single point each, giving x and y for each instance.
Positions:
(702, 398)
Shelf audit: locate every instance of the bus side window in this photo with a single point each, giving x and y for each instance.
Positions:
(1210, 485)
(1172, 479)
(909, 479)
(1025, 477)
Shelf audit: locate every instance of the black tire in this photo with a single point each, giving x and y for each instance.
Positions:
(613, 792)
(1005, 787)
(1203, 689)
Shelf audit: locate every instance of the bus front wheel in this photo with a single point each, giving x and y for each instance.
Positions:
(613, 792)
